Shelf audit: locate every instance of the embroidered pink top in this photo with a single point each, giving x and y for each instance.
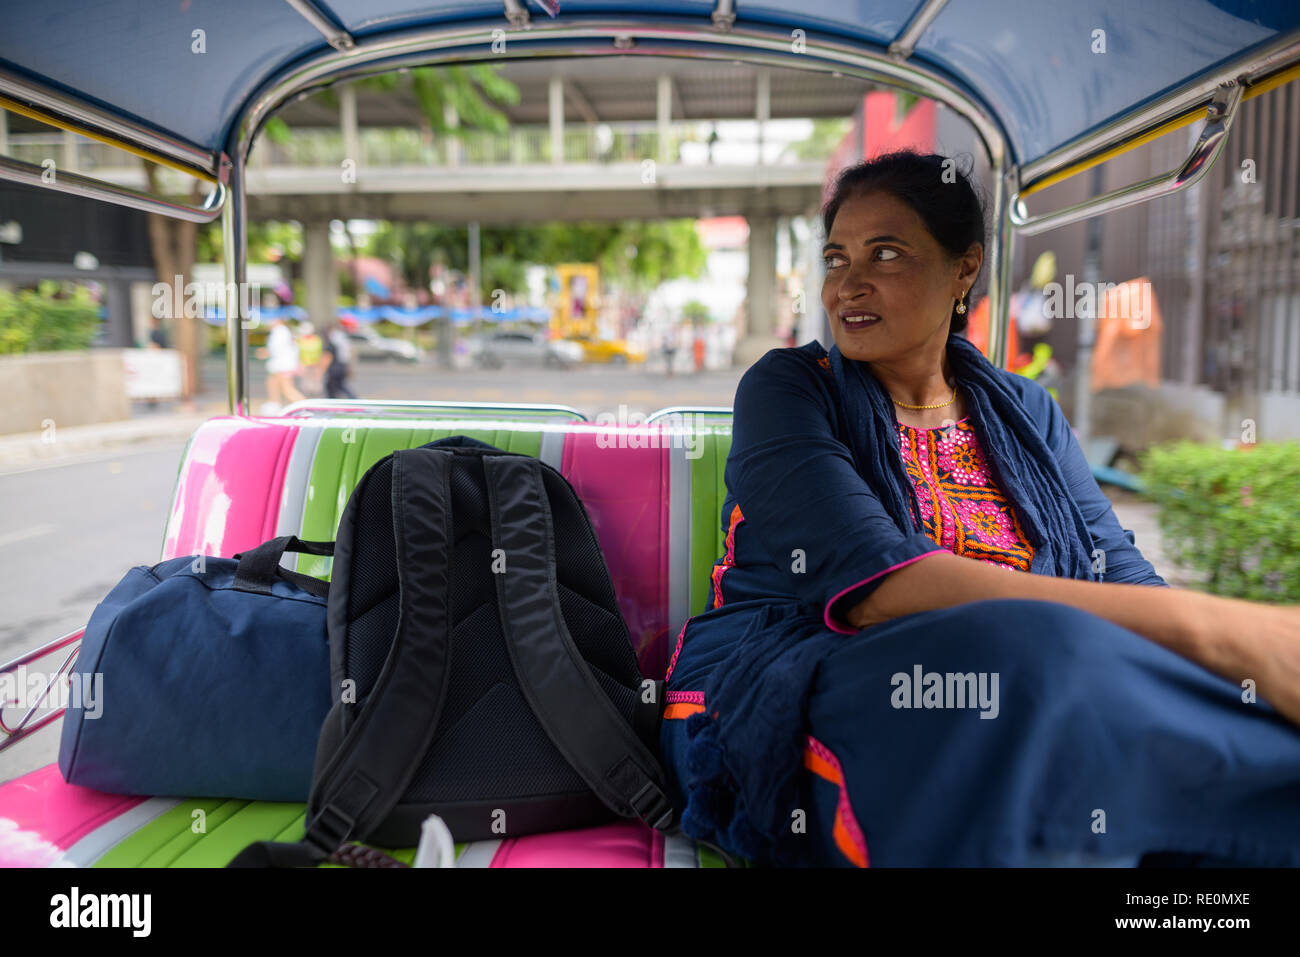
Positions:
(962, 508)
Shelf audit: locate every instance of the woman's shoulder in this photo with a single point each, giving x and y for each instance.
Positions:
(809, 360)
(788, 372)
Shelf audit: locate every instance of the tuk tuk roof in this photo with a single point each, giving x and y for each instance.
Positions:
(1039, 67)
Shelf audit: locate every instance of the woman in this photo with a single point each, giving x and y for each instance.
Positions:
(927, 603)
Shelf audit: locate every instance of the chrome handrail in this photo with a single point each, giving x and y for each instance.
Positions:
(67, 182)
(24, 728)
(64, 109)
(307, 406)
(1250, 68)
(687, 410)
(1200, 159)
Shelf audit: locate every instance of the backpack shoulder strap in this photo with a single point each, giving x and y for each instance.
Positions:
(373, 765)
(555, 679)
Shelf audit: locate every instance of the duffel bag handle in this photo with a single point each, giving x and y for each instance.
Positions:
(259, 568)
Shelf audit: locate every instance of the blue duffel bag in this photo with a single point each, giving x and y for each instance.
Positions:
(208, 677)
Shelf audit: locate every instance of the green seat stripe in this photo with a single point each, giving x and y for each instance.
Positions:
(346, 452)
(708, 541)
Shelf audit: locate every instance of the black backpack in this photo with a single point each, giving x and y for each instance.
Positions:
(480, 667)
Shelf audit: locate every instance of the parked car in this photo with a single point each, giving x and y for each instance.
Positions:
(612, 351)
(524, 348)
(369, 344)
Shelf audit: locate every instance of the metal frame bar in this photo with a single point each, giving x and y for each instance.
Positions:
(1177, 107)
(678, 36)
(516, 13)
(334, 35)
(923, 16)
(666, 36)
(1203, 155)
(11, 736)
(63, 181)
(352, 405)
(234, 241)
(688, 410)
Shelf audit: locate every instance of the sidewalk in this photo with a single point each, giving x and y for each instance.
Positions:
(26, 449)
(1139, 516)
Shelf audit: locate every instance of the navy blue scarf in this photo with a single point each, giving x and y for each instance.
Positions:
(745, 751)
(1023, 467)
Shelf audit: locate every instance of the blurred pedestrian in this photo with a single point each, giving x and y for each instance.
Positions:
(310, 352)
(669, 350)
(281, 354)
(157, 334)
(337, 364)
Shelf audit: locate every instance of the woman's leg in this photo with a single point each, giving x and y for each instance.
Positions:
(999, 731)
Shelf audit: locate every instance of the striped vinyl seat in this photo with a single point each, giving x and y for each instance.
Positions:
(653, 494)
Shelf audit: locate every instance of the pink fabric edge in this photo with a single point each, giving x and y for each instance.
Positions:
(681, 635)
(845, 808)
(665, 571)
(826, 613)
(689, 697)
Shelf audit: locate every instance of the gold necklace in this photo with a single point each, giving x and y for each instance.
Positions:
(937, 405)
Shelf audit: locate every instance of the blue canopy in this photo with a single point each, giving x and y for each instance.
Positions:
(187, 69)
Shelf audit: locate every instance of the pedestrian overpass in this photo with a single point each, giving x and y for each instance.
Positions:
(606, 138)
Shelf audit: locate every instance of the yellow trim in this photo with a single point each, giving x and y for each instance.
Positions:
(1255, 89)
(15, 107)
(1273, 82)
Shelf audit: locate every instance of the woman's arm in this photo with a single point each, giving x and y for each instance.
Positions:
(1235, 639)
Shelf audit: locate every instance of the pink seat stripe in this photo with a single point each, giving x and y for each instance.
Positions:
(623, 844)
(625, 492)
(62, 814)
(228, 492)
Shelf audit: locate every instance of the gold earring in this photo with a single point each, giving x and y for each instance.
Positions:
(961, 305)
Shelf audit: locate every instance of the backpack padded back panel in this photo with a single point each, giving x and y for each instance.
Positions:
(491, 770)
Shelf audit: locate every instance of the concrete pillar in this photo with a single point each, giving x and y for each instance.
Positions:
(451, 119)
(813, 324)
(475, 266)
(555, 107)
(759, 334)
(320, 278)
(117, 297)
(664, 115)
(348, 124)
(762, 108)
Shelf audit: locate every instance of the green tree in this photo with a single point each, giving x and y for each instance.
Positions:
(635, 255)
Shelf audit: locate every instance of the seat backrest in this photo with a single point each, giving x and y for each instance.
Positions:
(653, 492)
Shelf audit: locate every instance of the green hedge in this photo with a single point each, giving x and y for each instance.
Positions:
(42, 321)
(1230, 515)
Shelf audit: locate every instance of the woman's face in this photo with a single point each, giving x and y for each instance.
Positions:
(890, 287)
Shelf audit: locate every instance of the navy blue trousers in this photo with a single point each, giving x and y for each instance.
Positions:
(1097, 746)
